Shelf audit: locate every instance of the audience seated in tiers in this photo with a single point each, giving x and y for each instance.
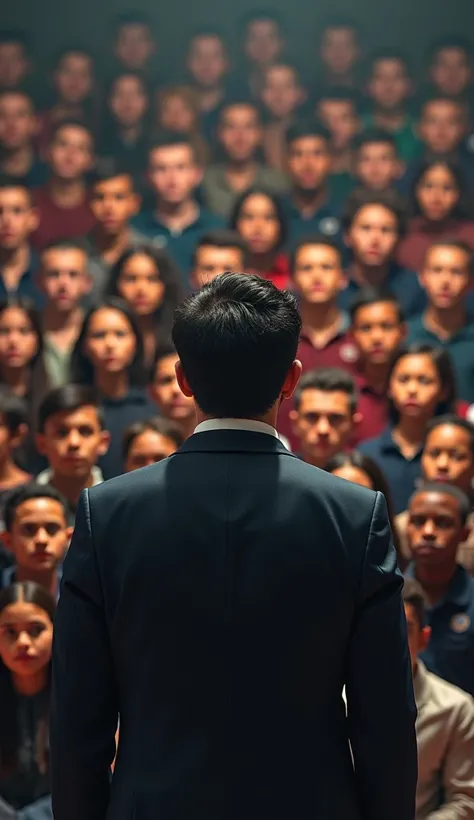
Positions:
(216, 252)
(444, 726)
(448, 456)
(147, 442)
(18, 126)
(240, 137)
(437, 524)
(259, 219)
(18, 261)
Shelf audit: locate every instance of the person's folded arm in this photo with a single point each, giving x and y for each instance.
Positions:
(379, 688)
(84, 709)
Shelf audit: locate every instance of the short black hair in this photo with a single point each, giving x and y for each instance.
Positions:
(237, 338)
(72, 48)
(164, 427)
(237, 102)
(452, 420)
(64, 245)
(388, 53)
(463, 501)
(67, 398)
(376, 136)
(170, 139)
(270, 14)
(13, 410)
(414, 596)
(27, 492)
(71, 123)
(448, 41)
(131, 18)
(18, 92)
(220, 238)
(341, 21)
(312, 239)
(277, 206)
(360, 198)
(371, 295)
(8, 182)
(458, 245)
(440, 97)
(340, 93)
(328, 380)
(15, 36)
(162, 351)
(309, 127)
(108, 168)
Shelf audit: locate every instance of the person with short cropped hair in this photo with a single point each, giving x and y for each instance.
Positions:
(18, 261)
(377, 164)
(240, 137)
(63, 202)
(216, 252)
(176, 222)
(18, 127)
(134, 42)
(444, 726)
(450, 66)
(340, 51)
(148, 442)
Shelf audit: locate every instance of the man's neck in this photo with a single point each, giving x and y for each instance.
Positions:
(342, 161)
(369, 275)
(240, 175)
(48, 579)
(376, 375)
(13, 264)
(112, 385)
(71, 487)
(309, 203)
(445, 323)
(435, 582)
(390, 119)
(16, 378)
(55, 321)
(67, 193)
(111, 244)
(409, 434)
(17, 163)
(209, 98)
(321, 323)
(177, 217)
(10, 474)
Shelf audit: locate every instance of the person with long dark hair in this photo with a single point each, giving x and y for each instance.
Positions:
(109, 355)
(259, 218)
(440, 210)
(150, 283)
(26, 634)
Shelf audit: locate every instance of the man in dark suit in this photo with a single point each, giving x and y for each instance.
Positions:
(219, 601)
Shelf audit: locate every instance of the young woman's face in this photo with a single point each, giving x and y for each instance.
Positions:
(140, 285)
(26, 635)
(354, 474)
(177, 115)
(437, 193)
(258, 224)
(415, 386)
(128, 101)
(110, 342)
(18, 339)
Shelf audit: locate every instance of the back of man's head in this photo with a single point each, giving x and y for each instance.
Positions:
(236, 339)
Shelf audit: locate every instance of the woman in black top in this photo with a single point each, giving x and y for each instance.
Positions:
(26, 634)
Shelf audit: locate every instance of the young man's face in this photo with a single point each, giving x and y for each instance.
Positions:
(340, 117)
(128, 101)
(73, 441)
(389, 85)
(339, 49)
(442, 126)
(281, 93)
(17, 121)
(64, 277)
(451, 71)
(74, 77)
(446, 277)
(207, 61)
(134, 46)
(173, 173)
(323, 424)
(18, 219)
(263, 43)
(165, 391)
(448, 457)
(437, 193)
(14, 65)
(113, 203)
(418, 636)
(318, 276)
(39, 536)
(239, 132)
(377, 166)
(434, 530)
(71, 153)
(211, 261)
(378, 331)
(309, 163)
(373, 235)
(148, 448)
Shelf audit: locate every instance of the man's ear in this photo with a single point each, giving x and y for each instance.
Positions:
(425, 637)
(182, 381)
(105, 443)
(292, 378)
(69, 532)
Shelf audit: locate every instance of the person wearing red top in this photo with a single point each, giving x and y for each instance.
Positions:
(63, 203)
(377, 327)
(440, 212)
(259, 219)
(318, 277)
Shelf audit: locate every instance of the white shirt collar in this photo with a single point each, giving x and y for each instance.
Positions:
(250, 425)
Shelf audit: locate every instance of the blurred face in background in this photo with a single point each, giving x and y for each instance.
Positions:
(377, 165)
(263, 42)
(240, 132)
(258, 224)
(437, 193)
(113, 203)
(390, 85)
(18, 123)
(318, 276)
(373, 235)
(442, 126)
(19, 342)
(14, 64)
(26, 640)
(166, 392)
(207, 60)
(148, 448)
(110, 342)
(323, 423)
(354, 474)
(448, 457)
(71, 153)
(281, 93)
(64, 277)
(339, 49)
(176, 113)
(340, 117)
(212, 261)
(446, 276)
(451, 71)
(140, 285)
(74, 78)
(134, 45)
(377, 331)
(73, 441)
(128, 100)
(18, 218)
(173, 173)
(309, 163)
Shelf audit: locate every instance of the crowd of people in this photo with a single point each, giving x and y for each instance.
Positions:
(120, 194)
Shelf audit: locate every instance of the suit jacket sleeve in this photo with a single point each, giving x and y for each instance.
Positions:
(379, 688)
(84, 708)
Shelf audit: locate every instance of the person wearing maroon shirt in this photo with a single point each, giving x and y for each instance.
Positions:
(377, 327)
(63, 203)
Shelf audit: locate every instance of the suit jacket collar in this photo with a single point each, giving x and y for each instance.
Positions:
(233, 441)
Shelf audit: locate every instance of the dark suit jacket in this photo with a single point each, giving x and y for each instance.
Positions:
(219, 601)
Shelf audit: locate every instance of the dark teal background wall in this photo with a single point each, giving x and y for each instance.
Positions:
(411, 23)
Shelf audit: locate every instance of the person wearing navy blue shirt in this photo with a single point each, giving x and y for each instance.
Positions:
(309, 207)
(437, 517)
(447, 277)
(373, 224)
(420, 385)
(176, 222)
(18, 262)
